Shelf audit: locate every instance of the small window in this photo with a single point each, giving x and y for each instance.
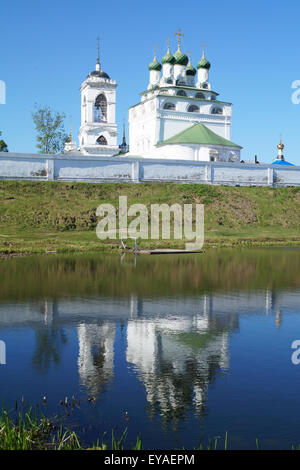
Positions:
(193, 109)
(204, 86)
(201, 96)
(217, 110)
(169, 106)
(101, 140)
(181, 93)
(214, 156)
(169, 80)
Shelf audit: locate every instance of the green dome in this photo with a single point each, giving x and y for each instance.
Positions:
(180, 58)
(155, 65)
(168, 58)
(190, 70)
(203, 63)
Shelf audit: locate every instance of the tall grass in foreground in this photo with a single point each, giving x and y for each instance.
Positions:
(30, 430)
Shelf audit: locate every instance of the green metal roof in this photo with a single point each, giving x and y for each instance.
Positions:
(181, 58)
(203, 64)
(185, 87)
(168, 58)
(190, 70)
(154, 65)
(198, 134)
(189, 98)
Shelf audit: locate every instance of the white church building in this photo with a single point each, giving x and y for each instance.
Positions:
(179, 115)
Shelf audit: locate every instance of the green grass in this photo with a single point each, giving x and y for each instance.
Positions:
(37, 217)
(30, 430)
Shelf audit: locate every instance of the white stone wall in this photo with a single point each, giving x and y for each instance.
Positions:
(17, 166)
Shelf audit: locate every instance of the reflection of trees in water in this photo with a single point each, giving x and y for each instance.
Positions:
(49, 342)
(65, 275)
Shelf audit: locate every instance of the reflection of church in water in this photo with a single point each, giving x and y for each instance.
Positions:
(176, 346)
(176, 357)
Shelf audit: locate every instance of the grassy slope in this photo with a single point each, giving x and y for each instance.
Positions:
(41, 216)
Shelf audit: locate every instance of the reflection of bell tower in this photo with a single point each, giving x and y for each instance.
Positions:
(98, 131)
(96, 355)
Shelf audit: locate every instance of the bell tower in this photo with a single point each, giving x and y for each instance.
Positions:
(98, 130)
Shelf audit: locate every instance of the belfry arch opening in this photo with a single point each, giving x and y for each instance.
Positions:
(100, 108)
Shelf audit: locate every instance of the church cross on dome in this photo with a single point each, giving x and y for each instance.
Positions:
(168, 42)
(180, 35)
(98, 54)
(203, 48)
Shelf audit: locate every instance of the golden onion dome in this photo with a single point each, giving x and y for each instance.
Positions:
(280, 146)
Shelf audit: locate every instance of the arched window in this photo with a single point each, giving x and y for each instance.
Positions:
(193, 109)
(199, 95)
(216, 110)
(169, 80)
(100, 109)
(169, 106)
(101, 140)
(181, 93)
(204, 85)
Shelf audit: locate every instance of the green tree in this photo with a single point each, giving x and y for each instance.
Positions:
(51, 134)
(3, 146)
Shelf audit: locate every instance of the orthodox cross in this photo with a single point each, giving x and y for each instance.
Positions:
(98, 50)
(168, 41)
(180, 35)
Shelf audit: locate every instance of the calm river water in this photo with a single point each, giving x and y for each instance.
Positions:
(173, 348)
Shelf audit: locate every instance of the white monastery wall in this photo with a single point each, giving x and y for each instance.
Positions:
(194, 311)
(19, 166)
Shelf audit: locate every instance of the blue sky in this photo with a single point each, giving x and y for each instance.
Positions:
(48, 48)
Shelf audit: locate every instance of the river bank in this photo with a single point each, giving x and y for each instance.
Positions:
(55, 217)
